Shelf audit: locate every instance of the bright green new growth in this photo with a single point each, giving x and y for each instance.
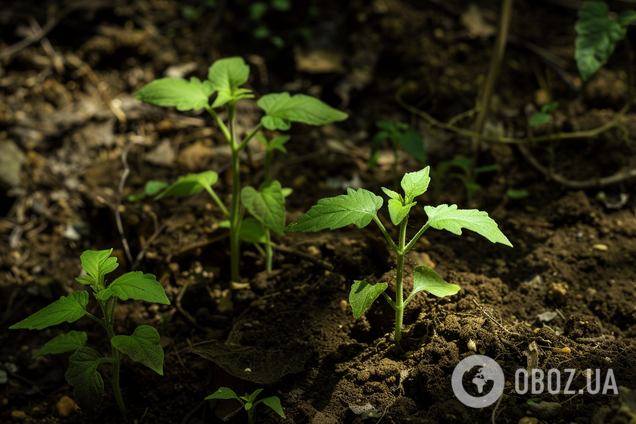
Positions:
(598, 35)
(544, 116)
(266, 203)
(249, 402)
(360, 207)
(142, 346)
(400, 135)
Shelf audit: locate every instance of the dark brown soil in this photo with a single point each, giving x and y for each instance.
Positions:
(563, 298)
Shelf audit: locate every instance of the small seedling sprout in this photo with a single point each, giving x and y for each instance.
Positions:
(361, 206)
(249, 401)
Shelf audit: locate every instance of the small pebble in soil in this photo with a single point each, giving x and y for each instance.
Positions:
(18, 415)
(65, 406)
(343, 305)
(566, 350)
(558, 292)
(601, 247)
(472, 345)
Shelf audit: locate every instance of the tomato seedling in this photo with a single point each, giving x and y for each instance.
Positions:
(141, 346)
(249, 401)
(225, 78)
(361, 206)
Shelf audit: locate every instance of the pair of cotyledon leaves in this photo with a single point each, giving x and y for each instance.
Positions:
(598, 35)
(225, 77)
(142, 346)
(360, 208)
(249, 401)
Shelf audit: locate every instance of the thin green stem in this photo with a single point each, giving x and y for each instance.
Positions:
(220, 123)
(243, 144)
(109, 309)
(97, 320)
(268, 250)
(218, 201)
(235, 216)
(409, 246)
(386, 234)
(399, 287)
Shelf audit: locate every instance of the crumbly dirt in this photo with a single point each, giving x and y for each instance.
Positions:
(563, 298)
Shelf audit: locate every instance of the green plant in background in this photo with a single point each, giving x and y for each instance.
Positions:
(361, 207)
(468, 176)
(249, 402)
(192, 13)
(400, 135)
(257, 11)
(225, 77)
(152, 188)
(141, 346)
(544, 116)
(598, 35)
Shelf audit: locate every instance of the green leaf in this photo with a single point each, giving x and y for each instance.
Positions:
(152, 187)
(425, 279)
(185, 95)
(226, 75)
(386, 125)
(392, 194)
(257, 10)
(86, 280)
(278, 143)
(445, 217)
(253, 396)
(190, 184)
(66, 342)
(97, 263)
(287, 191)
(267, 205)
(281, 109)
(356, 207)
(539, 119)
(274, 403)
(485, 168)
(597, 36)
(142, 346)
(472, 187)
(281, 5)
(252, 231)
(363, 294)
(517, 194)
(82, 374)
(224, 393)
(135, 285)
(411, 140)
(415, 183)
(67, 309)
(377, 141)
(398, 211)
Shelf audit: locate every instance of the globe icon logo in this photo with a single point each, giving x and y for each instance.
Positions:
(487, 371)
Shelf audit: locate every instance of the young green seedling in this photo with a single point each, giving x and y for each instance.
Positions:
(400, 135)
(141, 346)
(468, 176)
(361, 207)
(249, 402)
(544, 116)
(598, 35)
(225, 77)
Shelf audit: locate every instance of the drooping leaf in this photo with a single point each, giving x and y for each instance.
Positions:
(415, 183)
(185, 95)
(66, 342)
(274, 403)
(97, 263)
(363, 294)
(282, 109)
(357, 207)
(190, 184)
(597, 36)
(135, 285)
(82, 374)
(425, 279)
(398, 211)
(142, 346)
(445, 217)
(267, 205)
(225, 76)
(223, 393)
(66, 309)
(411, 140)
(252, 231)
